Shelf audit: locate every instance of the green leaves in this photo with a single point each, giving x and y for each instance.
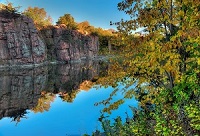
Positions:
(195, 44)
(193, 112)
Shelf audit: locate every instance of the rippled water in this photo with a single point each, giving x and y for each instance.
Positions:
(54, 100)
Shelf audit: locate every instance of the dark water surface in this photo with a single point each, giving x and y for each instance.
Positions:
(55, 100)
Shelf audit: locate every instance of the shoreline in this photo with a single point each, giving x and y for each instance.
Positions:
(48, 62)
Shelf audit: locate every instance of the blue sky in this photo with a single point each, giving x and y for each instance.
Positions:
(98, 12)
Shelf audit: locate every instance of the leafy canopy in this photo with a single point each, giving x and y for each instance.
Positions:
(164, 61)
(68, 20)
(39, 16)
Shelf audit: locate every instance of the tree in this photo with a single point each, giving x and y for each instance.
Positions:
(164, 62)
(9, 10)
(167, 45)
(68, 20)
(85, 27)
(39, 16)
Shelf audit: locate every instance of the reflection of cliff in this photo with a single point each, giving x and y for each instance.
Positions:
(66, 79)
(21, 89)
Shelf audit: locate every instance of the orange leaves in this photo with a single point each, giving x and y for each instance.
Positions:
(44, 102)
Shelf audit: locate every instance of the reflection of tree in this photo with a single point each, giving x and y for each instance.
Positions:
(86, 85)
(69, 96)
(18, 115)
(44, 102)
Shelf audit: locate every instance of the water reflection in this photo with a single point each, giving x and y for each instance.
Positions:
(55, 93)
(22, 89)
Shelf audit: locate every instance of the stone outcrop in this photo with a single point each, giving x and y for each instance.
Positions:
(66, 45)
(19, 41)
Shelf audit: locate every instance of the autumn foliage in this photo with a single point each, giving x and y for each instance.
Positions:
(164, 61)
(39, 16)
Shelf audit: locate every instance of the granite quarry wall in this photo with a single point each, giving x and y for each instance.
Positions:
(22, 44)
(19, 41)
(66, 45)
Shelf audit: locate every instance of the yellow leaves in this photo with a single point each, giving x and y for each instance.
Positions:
(163, 63)
(151, 43)
(181, 13)
(152, 61)
(180, 33)
(186, 2)
(198, 61)
(189, 60)
(168, 66)
(189, 48)
(152, 46)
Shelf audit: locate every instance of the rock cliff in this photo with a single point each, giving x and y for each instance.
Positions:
(19, 41)
(67, 45)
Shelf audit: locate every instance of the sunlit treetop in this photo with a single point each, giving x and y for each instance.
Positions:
(39, 16)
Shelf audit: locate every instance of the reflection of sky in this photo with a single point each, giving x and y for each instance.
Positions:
(65, 118)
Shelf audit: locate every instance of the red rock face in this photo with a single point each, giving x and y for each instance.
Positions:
(67, 45)
(20, 42)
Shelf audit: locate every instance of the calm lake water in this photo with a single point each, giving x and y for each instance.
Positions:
(56, 100)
